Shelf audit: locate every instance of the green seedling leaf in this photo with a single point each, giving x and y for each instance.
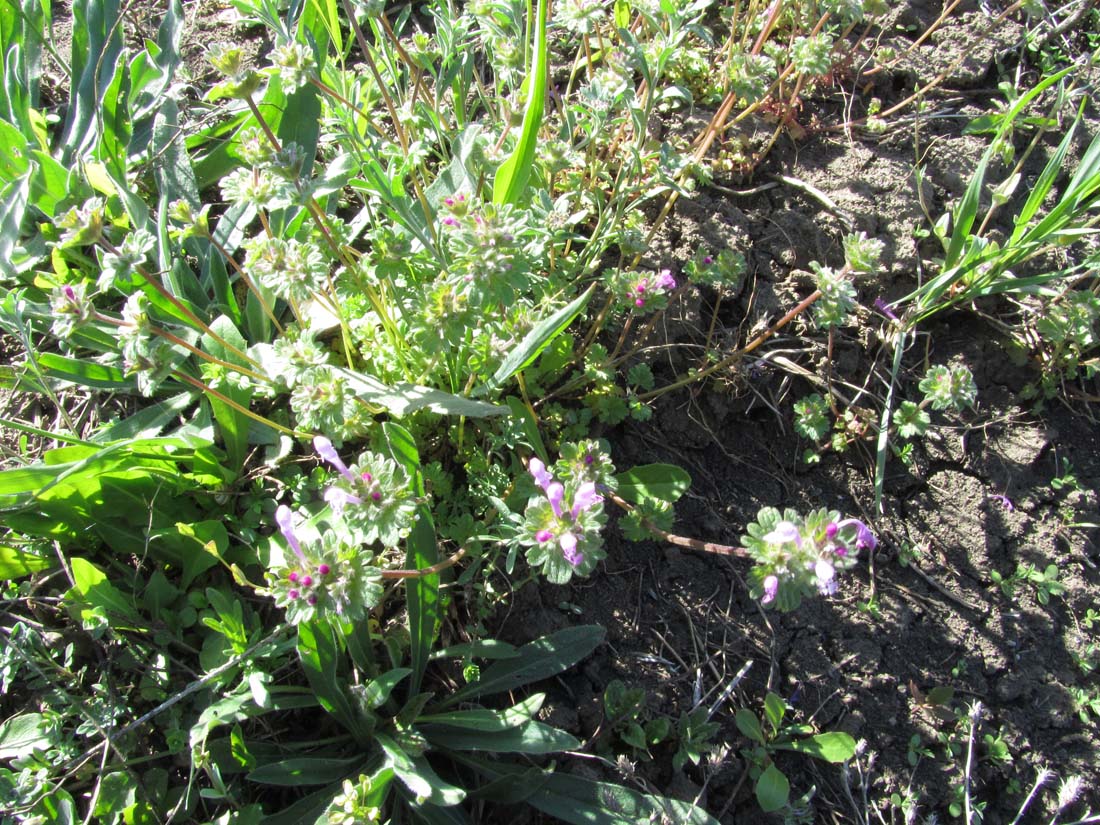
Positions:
(536, 660)
(775, 709)
(538, 339)
(772, 789)
(749, 725)
(510, 183)
(835, 746)
(663, 482)
(83, 372)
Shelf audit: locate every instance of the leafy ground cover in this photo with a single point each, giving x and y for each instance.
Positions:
(612, 412)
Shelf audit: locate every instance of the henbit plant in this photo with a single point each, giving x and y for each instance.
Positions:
(423, 265)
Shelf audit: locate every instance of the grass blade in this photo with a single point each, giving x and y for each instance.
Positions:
(511, 179)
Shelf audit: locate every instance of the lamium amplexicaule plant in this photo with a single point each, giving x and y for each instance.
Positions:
(363, 311)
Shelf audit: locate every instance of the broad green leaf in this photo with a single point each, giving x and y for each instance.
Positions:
(304, 770)
(233, 424)
(483, 719)
(83, 372)
(21, 735)
(378, 690)
(522, 413)
(536, 660)
(580, 801)
(404, 399)
(241, 706)
(16, 563)
(531, 737)
(772, 789)
(834, 746)
(318, 653)
(92, 585)
(775, 709)
(749, 725)
(483, 649)
(421, 594)
(418, 776)
(538, 339)
(665, 482)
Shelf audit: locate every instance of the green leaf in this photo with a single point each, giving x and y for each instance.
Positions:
(305, 770)
(772, 789)
(318, 652)
(663, 482)
(536, 660)
(378, 690)
(483, 719)
(538, 339)
(835, 746)
(417, 775)
(21, 735)
(421, 594)
(510, 182)
(83, 372)
(775, 709)
(92, 585)
(16, 563)
(531, 737)
(579, 801)
(522, 413)
(404, 399)
(749, 725)
(233, 423)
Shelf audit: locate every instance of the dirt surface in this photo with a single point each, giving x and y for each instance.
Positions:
(977, 496)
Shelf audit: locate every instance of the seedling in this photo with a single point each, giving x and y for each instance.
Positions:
(772, 734)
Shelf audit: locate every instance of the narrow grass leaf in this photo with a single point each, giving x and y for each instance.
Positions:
(510, 182)
(538, 339)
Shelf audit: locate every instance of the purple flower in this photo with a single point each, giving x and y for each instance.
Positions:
(865, 539)
(771, 588)
(539, 473)
(543, 536)
(665, 280)
(327, 452)
(884, 308)
(285, 519)
(568, 544)
(338, 499)
(826, 576)
(585, 497)
(785, 532)
(555, 493)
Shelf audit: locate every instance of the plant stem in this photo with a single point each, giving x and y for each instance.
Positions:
(425, 571)
(194, 382)
(683, 541)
